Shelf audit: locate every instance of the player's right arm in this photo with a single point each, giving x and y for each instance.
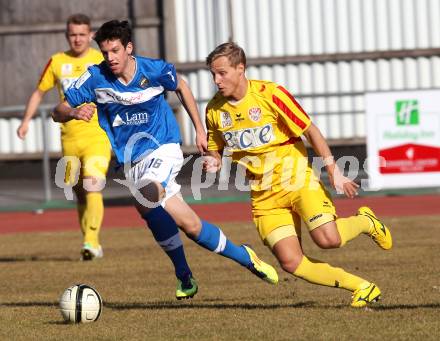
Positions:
(212, 161)
(79, 93)
(47, 81)
(63, 112)
(31, 108)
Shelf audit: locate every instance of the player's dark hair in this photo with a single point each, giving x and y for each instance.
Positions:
(113, 30)
(232, 51)
(78, 19)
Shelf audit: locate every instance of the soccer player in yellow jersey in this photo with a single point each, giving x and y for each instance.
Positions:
(85, 142)
(261, 123)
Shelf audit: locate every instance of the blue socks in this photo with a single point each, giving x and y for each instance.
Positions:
(213, 239)
(165, 232)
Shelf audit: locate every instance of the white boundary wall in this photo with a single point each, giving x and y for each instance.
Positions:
(333, 93)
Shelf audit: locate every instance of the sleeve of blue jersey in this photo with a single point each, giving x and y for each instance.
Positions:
(168, 76)
(81, 91)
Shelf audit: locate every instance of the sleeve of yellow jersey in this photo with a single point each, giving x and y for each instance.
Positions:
(290, 111)
(47, 79)
(215, 140)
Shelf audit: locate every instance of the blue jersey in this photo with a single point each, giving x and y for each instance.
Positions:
(135, 116)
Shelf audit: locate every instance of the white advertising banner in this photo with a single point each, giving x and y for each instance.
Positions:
(403, 139)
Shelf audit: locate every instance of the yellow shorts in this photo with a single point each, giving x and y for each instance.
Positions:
(90, 157)
(278, 215)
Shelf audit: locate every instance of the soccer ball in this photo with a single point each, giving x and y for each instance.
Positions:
(80, 303)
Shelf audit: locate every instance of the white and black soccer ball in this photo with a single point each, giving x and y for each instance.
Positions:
(80, 303)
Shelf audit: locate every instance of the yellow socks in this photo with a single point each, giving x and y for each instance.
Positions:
(314, 271)
(81, 208)
(351, 227)
(91, 219)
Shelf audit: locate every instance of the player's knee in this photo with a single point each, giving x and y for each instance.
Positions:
(191, 225)
(328, 241)
(93, 184)
(290, 265)
(326, 236)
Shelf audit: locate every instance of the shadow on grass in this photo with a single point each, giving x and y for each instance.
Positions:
(36, 259)
(201, 305)
(29, 304)
(61, 323)
(374, 307)
(252, 306)
(407, 306)
(176, 305)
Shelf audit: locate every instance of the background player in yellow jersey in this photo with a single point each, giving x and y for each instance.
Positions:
(86, 142)
(261, 123)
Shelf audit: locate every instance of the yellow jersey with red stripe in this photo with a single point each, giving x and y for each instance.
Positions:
(263, 131)
(61, 71)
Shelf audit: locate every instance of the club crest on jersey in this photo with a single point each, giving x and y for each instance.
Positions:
(226, 119)
(144, 82)
(255, 114)
(66, 69)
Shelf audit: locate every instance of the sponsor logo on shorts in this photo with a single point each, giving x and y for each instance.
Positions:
(326, 204)
(312, 219)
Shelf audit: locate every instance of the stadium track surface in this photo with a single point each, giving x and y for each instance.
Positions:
(126, 216)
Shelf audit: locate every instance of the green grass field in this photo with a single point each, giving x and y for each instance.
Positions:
(137, 284)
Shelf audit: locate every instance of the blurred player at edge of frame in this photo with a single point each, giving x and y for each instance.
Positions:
(86, 142)
(128, 91)
(261, 120)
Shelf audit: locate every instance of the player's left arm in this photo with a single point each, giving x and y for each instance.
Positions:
(341, 183)
(186, 97)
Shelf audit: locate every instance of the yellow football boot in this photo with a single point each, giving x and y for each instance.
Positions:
(378, 231)
(261, 269)
(366, 293)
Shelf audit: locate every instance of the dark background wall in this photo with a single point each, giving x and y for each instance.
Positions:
(32, 30)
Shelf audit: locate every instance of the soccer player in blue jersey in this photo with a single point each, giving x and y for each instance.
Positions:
(128, 91)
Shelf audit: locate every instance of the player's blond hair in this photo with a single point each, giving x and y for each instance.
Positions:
(232, 51)
(78, 19)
